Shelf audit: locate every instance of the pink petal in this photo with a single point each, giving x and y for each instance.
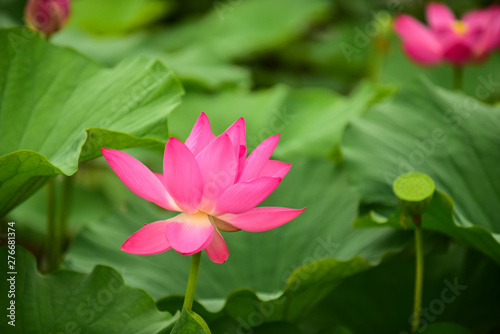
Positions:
(217, 250)
(477, 19)
(237, 134)
(439, 16)
(189, 234)
(258, 158)
(244, 196)
(275, 168)
(418, 41)
(138, 178)
(494, 28)
(182, 176)
(148, 240)
(218, 167)
(200, 136)
(484, 28)
(261, 219)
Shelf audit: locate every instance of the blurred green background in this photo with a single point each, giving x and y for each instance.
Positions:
(330, 76)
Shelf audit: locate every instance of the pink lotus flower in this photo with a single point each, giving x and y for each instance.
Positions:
(212, 183)
(470, 39)
(47, 16)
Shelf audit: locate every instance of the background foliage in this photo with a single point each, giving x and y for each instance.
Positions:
(128, 74)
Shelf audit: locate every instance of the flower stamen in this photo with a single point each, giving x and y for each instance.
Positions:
(460, 27)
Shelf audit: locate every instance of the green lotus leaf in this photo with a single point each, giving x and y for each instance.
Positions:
(71, 302)
(52, 119)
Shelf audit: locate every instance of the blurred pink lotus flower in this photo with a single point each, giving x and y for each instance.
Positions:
(469, 39)
(212, 183)
(47, 16)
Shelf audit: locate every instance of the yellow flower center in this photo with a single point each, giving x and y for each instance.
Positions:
(460, 27)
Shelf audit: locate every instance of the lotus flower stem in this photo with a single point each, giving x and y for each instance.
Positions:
(458, 73)
(58, 196)
(415, 191)
(419, 274)
(51, 248)
(193, 278)
(64, 210)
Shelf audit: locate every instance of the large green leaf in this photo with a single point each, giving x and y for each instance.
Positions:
(67, 301)
(50, 119)
(450, 136)
(321, 238)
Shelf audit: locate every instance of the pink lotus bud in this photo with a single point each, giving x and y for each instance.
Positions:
(47, 16)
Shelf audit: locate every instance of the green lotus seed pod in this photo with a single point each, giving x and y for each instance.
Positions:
(414, 191)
